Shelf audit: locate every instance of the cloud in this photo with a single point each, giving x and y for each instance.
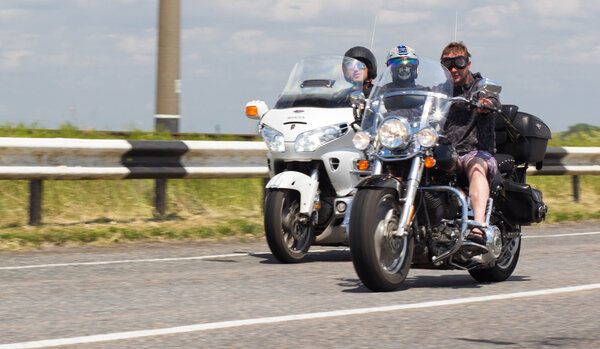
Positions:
(11, 60)
(280, 10)
(200, 33)
(492, 16)
(255, 42)
(11, 14)
(579, 50)
(137, 44)
(391, 17)
(560, 8)
(140, 48)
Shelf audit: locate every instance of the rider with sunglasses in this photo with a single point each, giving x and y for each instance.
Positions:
(471, 132)
(365, 73)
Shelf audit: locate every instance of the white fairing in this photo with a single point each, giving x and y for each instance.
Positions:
(338, 156)
(306, 186)
(293, 121)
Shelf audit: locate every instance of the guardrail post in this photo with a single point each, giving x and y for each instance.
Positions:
(35, 202)
(160, 196)
(575, 179)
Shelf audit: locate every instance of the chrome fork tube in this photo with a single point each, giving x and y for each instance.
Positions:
(488, 211)
(412, 184)
(377, 167)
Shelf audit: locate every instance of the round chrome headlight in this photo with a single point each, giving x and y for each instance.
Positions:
(361, 140)
(394, 132)
(427, 137)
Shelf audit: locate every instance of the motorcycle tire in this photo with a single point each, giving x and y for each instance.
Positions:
(506, 264)
(381, 261)
(288, 239)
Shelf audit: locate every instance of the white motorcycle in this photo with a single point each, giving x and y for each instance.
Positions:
(311, 158)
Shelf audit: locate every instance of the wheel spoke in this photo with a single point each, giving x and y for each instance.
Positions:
(390, 250)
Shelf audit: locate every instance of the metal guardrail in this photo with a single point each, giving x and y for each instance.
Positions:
(72, 159)
(569, 161)
(67, 158)
(38, 159)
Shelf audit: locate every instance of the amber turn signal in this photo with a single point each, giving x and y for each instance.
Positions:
(251, 110)
(363, 165)
(429, 162)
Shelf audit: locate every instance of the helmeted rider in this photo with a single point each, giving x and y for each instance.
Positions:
(364, 55)
(404, 64)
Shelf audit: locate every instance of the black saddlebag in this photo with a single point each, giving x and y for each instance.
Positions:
(531, 146)
(521, 204)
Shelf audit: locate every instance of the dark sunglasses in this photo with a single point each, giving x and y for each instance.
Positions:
(459, 62)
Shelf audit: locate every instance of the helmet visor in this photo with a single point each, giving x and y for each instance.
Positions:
(402, 61)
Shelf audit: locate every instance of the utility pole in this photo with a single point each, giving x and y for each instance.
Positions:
(168, 83)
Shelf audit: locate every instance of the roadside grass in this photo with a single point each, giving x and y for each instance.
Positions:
(558, 195)
(107, 212)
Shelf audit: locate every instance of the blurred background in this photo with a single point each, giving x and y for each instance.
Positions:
(93, 63)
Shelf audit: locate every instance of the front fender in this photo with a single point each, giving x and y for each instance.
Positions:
(298, 181)
(382, 181)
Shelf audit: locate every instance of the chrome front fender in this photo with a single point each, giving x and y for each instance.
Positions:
(305, 185)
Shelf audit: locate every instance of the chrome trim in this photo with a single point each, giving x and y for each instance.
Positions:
(412, 185)
(488, 212)
(359, 172)
(377, 166)
(414, 93)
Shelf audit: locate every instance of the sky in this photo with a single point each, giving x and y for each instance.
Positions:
(92, 63)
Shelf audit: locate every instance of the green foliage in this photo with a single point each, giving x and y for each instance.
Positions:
(68, 130)
(579, 135)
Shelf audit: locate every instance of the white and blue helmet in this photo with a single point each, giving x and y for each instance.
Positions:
(404, 64)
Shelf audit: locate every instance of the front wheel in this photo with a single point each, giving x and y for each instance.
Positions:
(381, 260)
(505, 265)
(289, 235)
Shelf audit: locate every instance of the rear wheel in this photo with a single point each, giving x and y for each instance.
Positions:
(505, 265)
(288, 234)
(381, 260)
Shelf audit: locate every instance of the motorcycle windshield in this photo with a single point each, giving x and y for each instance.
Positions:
(322, 82)
(418, 90)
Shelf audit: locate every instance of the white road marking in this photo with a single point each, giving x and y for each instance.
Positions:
(287, 318)
(559, 235)
(223, 255)
(216, 256)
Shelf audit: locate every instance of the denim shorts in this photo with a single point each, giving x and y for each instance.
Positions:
(492, 164)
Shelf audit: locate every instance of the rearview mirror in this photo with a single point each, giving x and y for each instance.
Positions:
(487, 86)
(357, 98)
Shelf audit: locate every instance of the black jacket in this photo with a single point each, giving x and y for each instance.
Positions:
(467, 129)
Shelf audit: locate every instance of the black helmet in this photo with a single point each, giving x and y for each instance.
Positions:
(364, 55)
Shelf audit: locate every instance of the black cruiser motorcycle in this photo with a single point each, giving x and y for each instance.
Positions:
(412, 211)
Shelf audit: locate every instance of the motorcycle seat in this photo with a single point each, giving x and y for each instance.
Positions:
(506, 163)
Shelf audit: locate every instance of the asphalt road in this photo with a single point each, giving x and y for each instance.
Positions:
(234, 295)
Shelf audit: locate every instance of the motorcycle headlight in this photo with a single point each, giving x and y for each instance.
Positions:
(311, 140)
(361, 140)
(427, 137)
(394, 133)
(273, 138)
